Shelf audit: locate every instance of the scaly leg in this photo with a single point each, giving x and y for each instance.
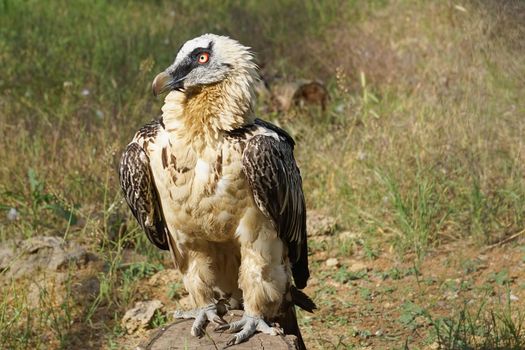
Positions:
(246, 327)
(212, 313)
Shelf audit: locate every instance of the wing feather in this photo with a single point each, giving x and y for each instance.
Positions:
(136, 180)
(276, 183)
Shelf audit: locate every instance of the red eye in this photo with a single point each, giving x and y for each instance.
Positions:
(204, 57)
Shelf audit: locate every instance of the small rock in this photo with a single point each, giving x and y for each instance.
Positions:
(340, 108)
(513, 297)
(140, 316)
(320, 225)
(62, 258)
(12, 214)
(41, 252)
(356, 266)
(33, 244)
(332, 262)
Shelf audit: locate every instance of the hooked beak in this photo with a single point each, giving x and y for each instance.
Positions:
(165, 82)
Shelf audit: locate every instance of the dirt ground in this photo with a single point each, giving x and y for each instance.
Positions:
(365, 301)
(387, 304)
(383, 303)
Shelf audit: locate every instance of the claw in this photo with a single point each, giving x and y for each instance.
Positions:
(201, 316)
(246, 327)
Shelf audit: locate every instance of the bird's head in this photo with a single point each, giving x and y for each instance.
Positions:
(207, 60)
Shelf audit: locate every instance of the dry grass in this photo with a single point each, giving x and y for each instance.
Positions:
(432, 136)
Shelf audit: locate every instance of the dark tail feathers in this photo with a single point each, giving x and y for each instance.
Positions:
(302, 300)
(288, 319)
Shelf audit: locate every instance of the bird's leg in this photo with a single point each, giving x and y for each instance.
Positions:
(246, 327)
(263, 280)
(198, 279)
(212, 313)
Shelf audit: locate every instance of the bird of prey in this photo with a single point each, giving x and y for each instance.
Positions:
(221, 190)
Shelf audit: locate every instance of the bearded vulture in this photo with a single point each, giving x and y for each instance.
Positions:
(221, 190)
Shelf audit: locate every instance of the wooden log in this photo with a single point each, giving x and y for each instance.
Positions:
(298, 93)
(177, 336)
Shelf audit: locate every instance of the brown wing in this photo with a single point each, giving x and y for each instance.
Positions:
(141, 194)
(276, 183)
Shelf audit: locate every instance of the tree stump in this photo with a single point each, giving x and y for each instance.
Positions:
(177, 336)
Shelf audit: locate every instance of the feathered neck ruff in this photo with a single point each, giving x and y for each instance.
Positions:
(201, 115)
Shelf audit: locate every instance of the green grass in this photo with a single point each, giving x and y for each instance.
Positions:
(482, 328)
(421, 143)
(26, 312)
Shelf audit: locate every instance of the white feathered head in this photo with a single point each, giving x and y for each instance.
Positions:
(206, 60)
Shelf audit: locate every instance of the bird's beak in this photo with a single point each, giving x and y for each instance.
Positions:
(161, 83)
(165, 82)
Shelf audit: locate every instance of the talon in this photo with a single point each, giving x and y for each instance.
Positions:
(246, 327)
(202, 315)
(231, 341)
(218, 320)
(222, 327)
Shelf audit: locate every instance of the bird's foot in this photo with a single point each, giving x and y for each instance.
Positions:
(246, 327)
(201, 316)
